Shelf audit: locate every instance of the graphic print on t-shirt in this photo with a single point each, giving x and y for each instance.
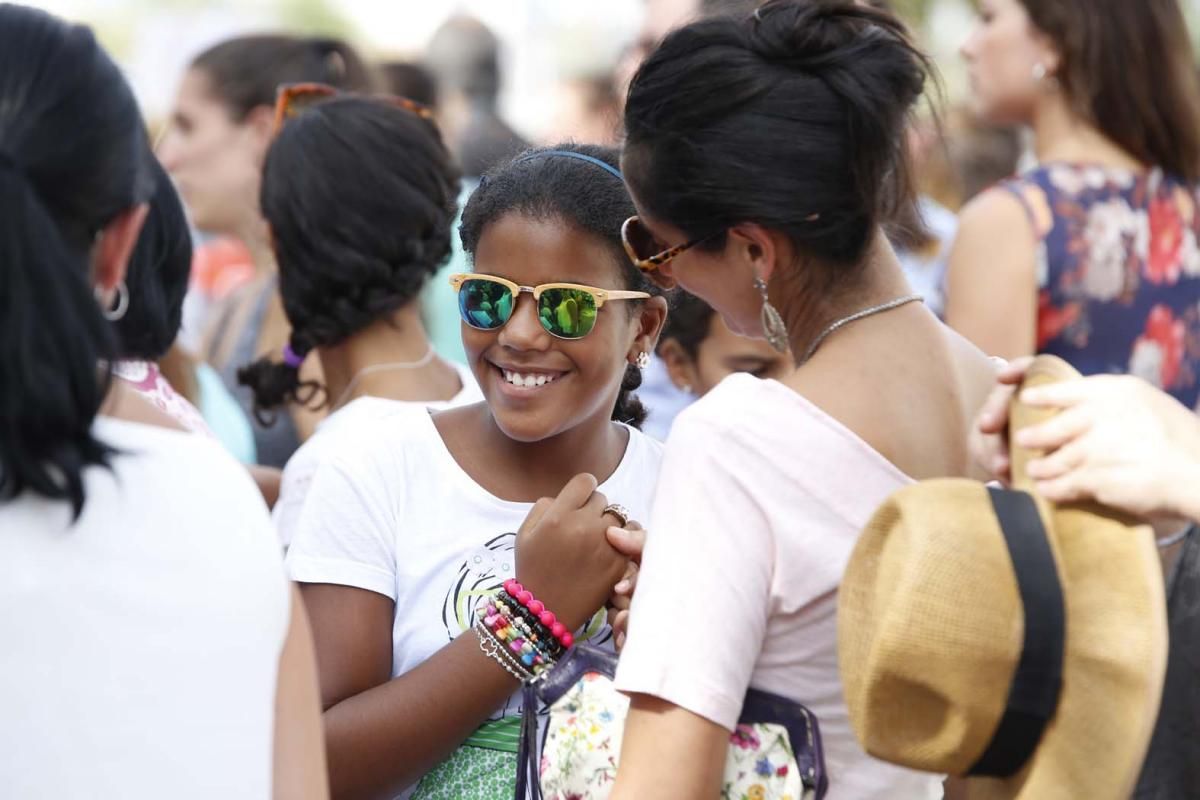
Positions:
(482, 574)
(484, 767)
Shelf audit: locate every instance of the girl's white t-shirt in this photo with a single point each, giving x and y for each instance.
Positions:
(139, 645)
(394, 513)
(362, 414)
(761, 500)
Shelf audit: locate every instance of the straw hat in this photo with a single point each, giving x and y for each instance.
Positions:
(934, 611)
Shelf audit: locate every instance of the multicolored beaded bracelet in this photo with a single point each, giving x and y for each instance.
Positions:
(544, 615)
(523, 648)
(526, 621)
(499, 619)
(513, 614)
(496, 651)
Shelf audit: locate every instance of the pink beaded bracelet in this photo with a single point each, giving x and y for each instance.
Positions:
(523, 596)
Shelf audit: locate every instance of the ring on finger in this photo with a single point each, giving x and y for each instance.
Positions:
(619, 511)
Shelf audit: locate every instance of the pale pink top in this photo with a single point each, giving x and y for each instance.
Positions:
(761, 498)
(148, 381)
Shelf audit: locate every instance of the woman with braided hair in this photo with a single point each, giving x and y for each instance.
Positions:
(220, 129)
(360, 195)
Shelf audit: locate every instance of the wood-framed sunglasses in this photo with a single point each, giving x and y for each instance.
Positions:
(565, 310)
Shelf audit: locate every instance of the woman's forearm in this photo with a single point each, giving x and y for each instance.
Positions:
(386, 738)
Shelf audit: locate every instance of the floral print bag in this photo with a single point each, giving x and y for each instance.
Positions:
(774, 754)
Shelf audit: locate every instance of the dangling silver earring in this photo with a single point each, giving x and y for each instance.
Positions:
(772, 324)
(115, 313)
(643, 360)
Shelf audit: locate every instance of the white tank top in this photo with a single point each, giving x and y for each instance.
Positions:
(139, 646)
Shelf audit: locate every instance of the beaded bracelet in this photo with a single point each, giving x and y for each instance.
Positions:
(525, 620)
(538, 609)
(523, 650)
(496, 651)
(531, 632)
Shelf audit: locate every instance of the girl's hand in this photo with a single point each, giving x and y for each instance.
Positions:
(563, 556)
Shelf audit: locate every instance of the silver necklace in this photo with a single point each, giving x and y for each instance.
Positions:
(857, 315)
(373, 368)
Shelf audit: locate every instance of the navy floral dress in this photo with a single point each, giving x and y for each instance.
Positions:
(1118, 271)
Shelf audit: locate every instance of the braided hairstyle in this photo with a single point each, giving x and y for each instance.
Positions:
(581, 194)
(360, 196)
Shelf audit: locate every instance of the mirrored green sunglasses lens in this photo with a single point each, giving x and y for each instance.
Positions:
(485, 305)
(567, 313)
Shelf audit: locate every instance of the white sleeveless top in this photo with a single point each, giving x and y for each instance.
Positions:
(139, 646)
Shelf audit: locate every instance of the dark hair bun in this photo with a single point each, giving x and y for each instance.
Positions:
(852, 46)
(792, 117)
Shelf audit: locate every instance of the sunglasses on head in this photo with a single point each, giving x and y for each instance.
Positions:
(293, 98)
(566, 310)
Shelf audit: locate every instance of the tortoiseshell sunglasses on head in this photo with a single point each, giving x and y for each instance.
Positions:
(293, 98)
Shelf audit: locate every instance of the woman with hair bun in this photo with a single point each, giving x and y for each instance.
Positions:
(764, 153)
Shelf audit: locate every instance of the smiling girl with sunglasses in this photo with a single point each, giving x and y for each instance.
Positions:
(407, 530)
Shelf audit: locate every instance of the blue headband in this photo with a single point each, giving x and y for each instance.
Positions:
(578, 156)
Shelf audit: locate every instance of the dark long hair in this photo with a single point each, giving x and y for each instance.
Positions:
(361, 197)
(1128, 68)
(157, 275)
(579, 193)
(689, 323)
(792, 118)
(73, 156)
(244, 72)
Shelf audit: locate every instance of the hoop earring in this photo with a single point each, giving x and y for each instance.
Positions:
(772, 323)
(116, 313)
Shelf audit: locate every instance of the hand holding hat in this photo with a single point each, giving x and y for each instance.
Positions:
(989, 633)
(1118, 441)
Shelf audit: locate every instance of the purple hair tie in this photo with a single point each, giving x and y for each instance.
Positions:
(291, 358)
